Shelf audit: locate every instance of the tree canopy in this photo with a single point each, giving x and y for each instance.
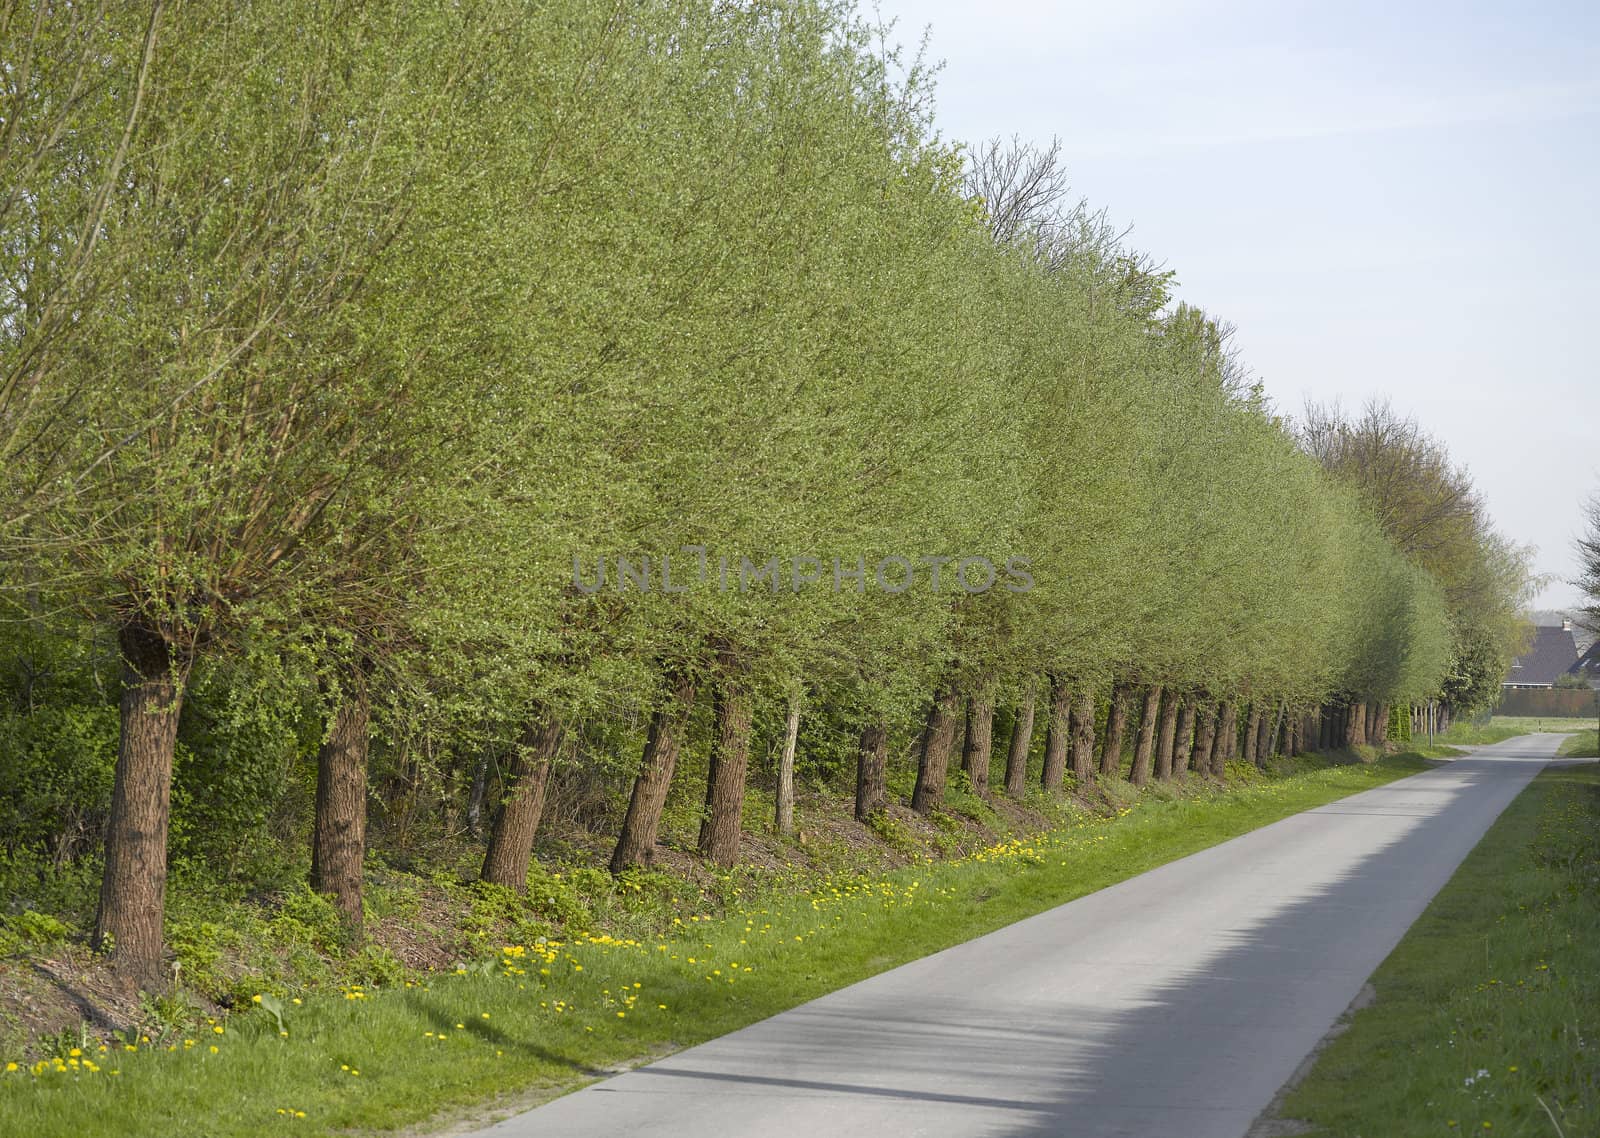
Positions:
(508, 377)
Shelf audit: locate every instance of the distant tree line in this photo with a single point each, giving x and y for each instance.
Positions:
(332, 339)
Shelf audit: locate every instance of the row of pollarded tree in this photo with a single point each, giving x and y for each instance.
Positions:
(1138, 734)
(679, 280)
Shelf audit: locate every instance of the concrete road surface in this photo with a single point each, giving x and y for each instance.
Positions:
(1174, 1004)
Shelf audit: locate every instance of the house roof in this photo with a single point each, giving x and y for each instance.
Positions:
(1588, 664)
(1552, 653)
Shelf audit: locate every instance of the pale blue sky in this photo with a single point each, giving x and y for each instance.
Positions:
(1386, 198)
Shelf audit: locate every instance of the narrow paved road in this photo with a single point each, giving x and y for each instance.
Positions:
(1174, 1004)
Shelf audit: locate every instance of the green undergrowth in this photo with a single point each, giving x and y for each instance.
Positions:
(542, 1016)
(1487, 1017)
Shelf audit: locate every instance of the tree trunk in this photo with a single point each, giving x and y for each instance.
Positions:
(1183, 744)
(1144, 752)
(1227, 747)
(980, 740)
(872, 763)
(475, 797)
(1056, 735)
(938, 737)
(1116, 728)
(133, 889)
(1021, 744)
(1083, 737)
(637, 843)
(339, 830)
(783, 814)
(1206, 738)
(730, 758)
(516, 819)
(1380, 725)
(1355, 725)
(1252, 732)
(1166, 735)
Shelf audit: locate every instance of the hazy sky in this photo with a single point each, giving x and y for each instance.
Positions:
(1395, 199)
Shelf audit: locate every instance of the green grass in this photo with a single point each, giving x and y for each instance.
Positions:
(1502, 727)
(1487, 1018)
(545, 1019)
(1584, 745)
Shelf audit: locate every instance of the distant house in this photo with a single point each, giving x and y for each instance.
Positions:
(1588, 665)
(1553, 652)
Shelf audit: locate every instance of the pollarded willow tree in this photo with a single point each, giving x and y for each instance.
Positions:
(249, 408)
(1431, 512)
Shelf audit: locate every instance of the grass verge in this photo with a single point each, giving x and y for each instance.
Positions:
(1584, 745)
(1487, 1018)
(546, 1017)
(1503, 727)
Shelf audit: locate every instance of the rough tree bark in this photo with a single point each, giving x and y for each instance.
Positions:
(979, 743)
(1278, 734)
(938, 737)
(637, 843)
(872, 764)
(1252, 732)
(133, 888)
(1183, 744)
(1355, 730)
(1226, 738)
(1166, 735)
(1021, 743)
(1056, 735)
(1144, 751)
(725, 776)
(1205, 738)
(339, 829)
(1116, 728)
(783, 812)
(516, 819)
(1083, 737)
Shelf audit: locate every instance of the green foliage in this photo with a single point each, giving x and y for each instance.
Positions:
(29, 931)
(892, 832)
(56, 763)
(240, 741)
(371, 343)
